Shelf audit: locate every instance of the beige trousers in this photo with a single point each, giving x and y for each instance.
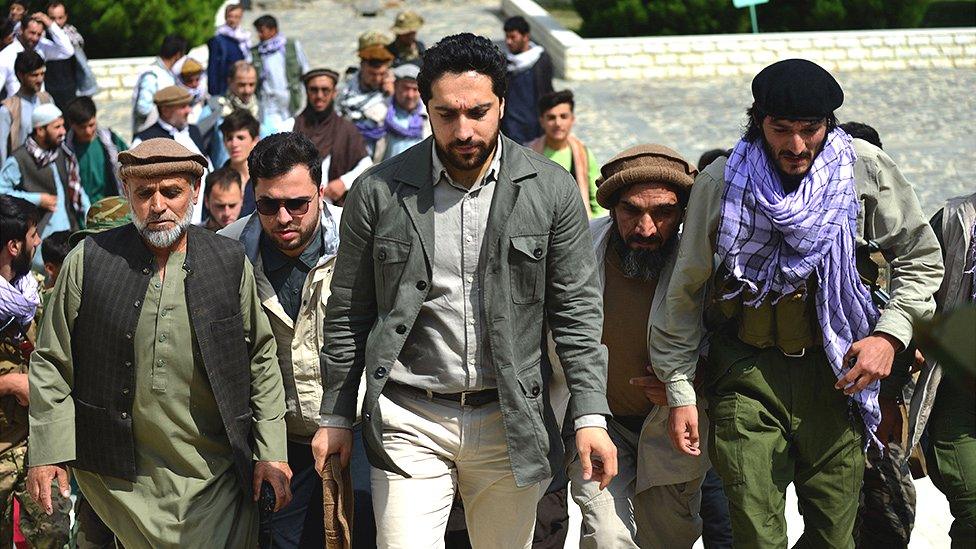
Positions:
(658, 517)
(446, 447)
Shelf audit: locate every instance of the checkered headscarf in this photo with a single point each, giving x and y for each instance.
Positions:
(772, 242)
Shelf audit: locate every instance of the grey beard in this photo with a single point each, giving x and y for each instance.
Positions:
(644, 265)
(164, 239)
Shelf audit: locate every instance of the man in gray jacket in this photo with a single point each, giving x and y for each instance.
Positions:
(454, 257)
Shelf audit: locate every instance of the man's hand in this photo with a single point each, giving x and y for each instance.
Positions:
(39, 484)
(891, 421)
(334, 190)
(49, 202)
(278, 475)
(871, 358)
(43, 18)
(388, 82)
(919, 361)
(653, 388)
(683, 429)
(331, 440)
(15, 384)
(598, 455)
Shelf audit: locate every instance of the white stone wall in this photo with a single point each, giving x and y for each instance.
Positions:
(576, 58)
(117, 77)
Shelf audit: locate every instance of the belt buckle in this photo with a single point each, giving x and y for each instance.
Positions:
(801, 354)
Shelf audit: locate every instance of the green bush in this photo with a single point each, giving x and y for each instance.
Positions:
(129, 28)
(670, 17)
(950, 13)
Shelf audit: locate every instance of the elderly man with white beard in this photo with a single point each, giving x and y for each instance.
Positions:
(155, 375)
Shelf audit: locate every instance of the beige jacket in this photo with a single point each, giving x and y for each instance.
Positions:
(299, 341)
(658, 463)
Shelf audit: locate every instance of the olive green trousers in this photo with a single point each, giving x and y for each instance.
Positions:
(951, 455)
(778, 420)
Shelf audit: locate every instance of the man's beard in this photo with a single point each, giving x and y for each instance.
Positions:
(459, 162)
(22, 263)
(163, 239)
(641, 264)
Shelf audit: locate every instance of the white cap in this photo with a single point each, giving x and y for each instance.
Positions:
(44, 114)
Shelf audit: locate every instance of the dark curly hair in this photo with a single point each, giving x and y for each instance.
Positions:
(754, 125)
(277, 154)
(461, 53)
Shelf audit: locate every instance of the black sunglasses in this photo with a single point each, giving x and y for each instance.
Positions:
(271, 206)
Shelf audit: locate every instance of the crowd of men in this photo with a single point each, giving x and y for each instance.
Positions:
(404, 305)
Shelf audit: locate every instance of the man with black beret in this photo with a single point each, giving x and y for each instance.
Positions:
(155, 375)
(796, 345)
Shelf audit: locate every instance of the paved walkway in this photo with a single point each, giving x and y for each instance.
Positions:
(925, 119)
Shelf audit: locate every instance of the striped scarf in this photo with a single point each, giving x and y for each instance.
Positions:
(44, 157)
(771, 242)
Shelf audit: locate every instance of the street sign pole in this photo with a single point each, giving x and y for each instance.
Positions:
(751, 4)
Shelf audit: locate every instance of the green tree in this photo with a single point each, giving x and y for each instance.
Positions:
(125, 28)
(669, 17)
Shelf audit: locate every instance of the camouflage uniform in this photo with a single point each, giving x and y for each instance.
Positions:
(41, 530)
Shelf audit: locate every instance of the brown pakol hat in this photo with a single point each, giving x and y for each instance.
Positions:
(648, 163)
(160, 157)
(172, 96)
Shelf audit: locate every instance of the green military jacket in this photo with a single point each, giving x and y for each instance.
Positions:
(537, 271)
(888, 214)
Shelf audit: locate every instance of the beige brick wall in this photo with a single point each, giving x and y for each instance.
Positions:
(576, 58)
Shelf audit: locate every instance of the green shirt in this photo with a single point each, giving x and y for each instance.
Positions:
(92, 159)
(564, 157)
(186, 489)
(889, 214)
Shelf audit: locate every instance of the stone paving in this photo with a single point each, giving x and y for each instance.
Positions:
(925, 118)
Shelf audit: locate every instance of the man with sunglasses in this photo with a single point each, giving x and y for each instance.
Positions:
(292, 240)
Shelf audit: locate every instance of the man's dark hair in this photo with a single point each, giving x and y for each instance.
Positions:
(552, 99)
(55, 247)
(708, 157)
(27, 62)
(240, 120)
(461, 53)
(23, 3)
(173, 44)
(7, 28)
(80, 110)
(55, 4)
(17, 216)
(517, 23)
(266, 22)
(754, 126)
(277, 154)
(224, 177)
(860, 130)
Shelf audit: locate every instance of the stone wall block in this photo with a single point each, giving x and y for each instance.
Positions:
(882, 53)
(895, 40)
(654, 72)
(942, 39)
(835, 54)
(872, 41)
(593, 62)
(654, 46)
(703, 70)
(729, 70)
(857, 53)
(847, 42)
(906, 53)
(679, 46)
(690, 59)
(965, 62)
(666, 59)
(895, 64)
(702, 46)
(965, 38)
(928, 51)
(917, 40)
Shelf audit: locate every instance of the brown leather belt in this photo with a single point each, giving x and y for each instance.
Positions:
(466, 398)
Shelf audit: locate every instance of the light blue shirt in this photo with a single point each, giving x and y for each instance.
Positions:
(27, 105)
(10, 182)
(396, 144)
(274, 95)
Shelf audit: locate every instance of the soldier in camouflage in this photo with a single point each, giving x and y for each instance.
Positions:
(18, 305)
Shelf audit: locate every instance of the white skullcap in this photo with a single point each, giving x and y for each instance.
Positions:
(44, 114)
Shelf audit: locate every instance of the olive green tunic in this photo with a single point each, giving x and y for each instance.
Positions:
(187, 491)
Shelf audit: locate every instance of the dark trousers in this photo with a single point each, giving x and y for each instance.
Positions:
(716, 523)
(301, 523)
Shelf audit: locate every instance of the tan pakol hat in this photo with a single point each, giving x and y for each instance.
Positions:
(648, 163)
(372, 46)
(159, 157)
(172, 96)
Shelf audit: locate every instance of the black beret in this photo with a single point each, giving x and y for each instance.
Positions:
(796, 89)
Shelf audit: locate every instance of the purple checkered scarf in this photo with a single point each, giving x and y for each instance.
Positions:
(772, 242)
(18, 301)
